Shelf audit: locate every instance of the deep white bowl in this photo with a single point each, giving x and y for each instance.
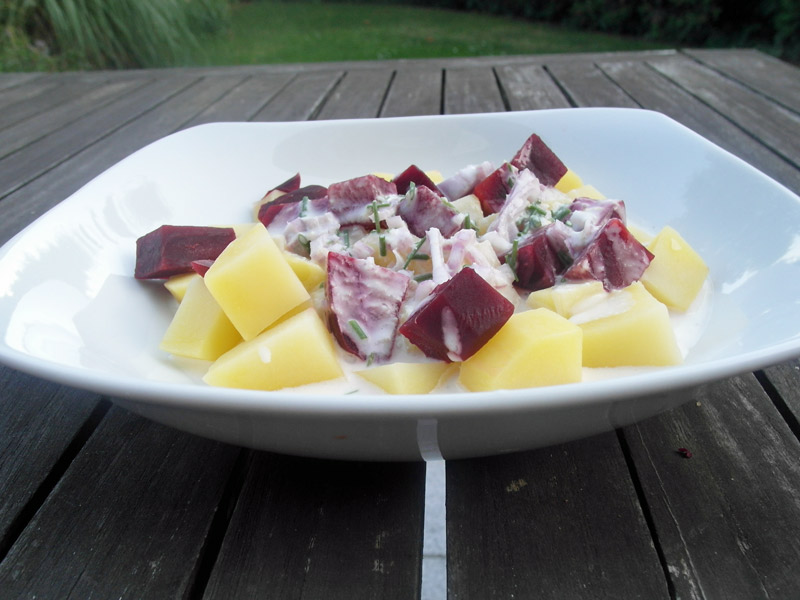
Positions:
(72, 312)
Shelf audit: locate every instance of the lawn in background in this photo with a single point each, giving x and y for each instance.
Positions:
(281, 32)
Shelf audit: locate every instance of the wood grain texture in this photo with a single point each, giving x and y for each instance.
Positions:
(653, 91)
(39, 421)
(301, 99)
(530, 87)
(561, 522)
(764, 74)
(472, 90)
(761, 117)
(312, 529)
(785, 381)
(414, 92)
(44, 192)
(129, 518)
(587, 85)
(358, 95)
(727, 520)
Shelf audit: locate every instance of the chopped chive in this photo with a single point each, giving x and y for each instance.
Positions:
(468, 224)
(511, 260)
(345, 235)
(303, 206)
(423, 277)
(413, 254)
(561, 213)
(382, 244)
(304, 242)
(418, 256)
(370, 359)
(357, 328)
(375, 216)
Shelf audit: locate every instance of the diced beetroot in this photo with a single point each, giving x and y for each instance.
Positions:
(424, 209)
(290, 184)
(289, 202)
(415, 175)
(365, 302)
(462, 314)
(614, 257)
(493, 190)
(349, 199)
(539, 158)
(170, 249)
(464, 181)
(202, 266)
(588, 211)
(537, 262)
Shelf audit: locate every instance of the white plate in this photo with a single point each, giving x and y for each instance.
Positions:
(72, 312)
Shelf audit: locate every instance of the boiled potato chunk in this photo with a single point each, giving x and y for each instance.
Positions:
(542, 299)
(199, 328)
(631, 329)
(586, 191)
(253, 283)
(534, 348)
(406, 378)
(569, 181)
(178, 284)
(311, 275)
(294, 352)
(677, 272)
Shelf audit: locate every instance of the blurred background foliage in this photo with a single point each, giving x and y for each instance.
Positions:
(113, 34)
(104, 34)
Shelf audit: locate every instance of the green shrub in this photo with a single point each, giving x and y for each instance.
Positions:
(91, 34)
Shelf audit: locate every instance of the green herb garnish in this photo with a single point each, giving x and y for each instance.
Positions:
(423, 277)
(413, 254)
(511, 259)
(357, 328)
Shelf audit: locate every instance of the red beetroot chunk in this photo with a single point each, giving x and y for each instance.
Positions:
(462, 314)
(424, 209)
(415, 175)
(539, 158)
(288, 205)
(201, 267)
(614, 257)
(349, 199)
(170, 249)
(493, 190)
(365, 302)
(536, 264)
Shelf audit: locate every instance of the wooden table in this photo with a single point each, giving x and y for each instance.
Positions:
(97, 502)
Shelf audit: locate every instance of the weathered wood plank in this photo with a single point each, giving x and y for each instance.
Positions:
(46, 152)
(243, 101)
(414, 92)
(307, 528)
(727, 520)
(130, 517)
(301, 98)
(785, 379)
(24, 205)
(9, 80)
(359, 94)
(586, 85)
(39, 422)
(655, 92)
(763, 73)
(774, 125)
(17, 136)
(471, 91)
(561, 522)
(530, 87)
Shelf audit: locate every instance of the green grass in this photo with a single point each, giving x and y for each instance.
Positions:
(280, 32)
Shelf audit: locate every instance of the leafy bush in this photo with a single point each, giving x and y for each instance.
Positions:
(86, 34)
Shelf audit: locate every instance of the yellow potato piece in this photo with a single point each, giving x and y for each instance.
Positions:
(406, 378)
(253, 283)
(534, 348)
(541, 299)
(642, 236)
(310, 273)
(199, 328)
(569, 181)
(294, 352)
(435, 176)
(586, 191)
(677, 272)
(178, 284)
(631, 328)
